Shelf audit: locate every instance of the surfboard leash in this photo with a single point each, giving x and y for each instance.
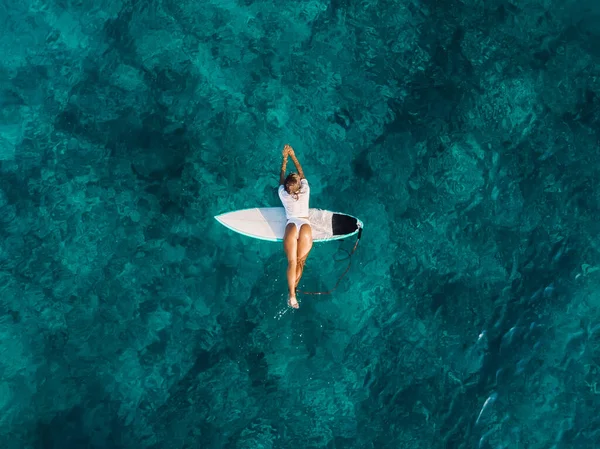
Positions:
(329, 292)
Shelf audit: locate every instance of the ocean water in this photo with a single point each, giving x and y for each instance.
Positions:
(464, 134)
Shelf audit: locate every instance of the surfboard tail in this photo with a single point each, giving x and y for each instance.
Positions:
(344, 224)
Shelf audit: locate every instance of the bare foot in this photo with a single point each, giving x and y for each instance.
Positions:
(292, 302)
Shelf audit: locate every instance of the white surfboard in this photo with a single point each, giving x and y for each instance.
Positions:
(268, 223)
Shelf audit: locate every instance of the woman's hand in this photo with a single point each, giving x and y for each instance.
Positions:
(288, 150)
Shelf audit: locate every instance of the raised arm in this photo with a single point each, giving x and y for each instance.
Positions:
(283, 165)
(296, 163)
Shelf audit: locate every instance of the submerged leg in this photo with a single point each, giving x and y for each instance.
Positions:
(290, 245)
(299, 270)
(305, 242)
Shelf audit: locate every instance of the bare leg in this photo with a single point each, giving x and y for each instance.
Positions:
(290, 245)
(299, 270)
(305, 242)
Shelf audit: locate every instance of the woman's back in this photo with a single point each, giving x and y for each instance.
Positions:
(296, 205)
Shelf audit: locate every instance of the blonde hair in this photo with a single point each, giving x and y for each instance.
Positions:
(292, 185)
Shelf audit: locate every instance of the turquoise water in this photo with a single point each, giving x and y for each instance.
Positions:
(464, 134)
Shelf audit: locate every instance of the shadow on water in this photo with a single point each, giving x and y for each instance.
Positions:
(72, 429)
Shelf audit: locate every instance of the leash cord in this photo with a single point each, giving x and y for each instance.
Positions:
(329, 292)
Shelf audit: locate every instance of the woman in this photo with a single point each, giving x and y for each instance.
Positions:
(294, 193)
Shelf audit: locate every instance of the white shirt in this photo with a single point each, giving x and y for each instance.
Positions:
(295, 207)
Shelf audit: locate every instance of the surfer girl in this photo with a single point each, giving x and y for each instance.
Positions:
(294, 193)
